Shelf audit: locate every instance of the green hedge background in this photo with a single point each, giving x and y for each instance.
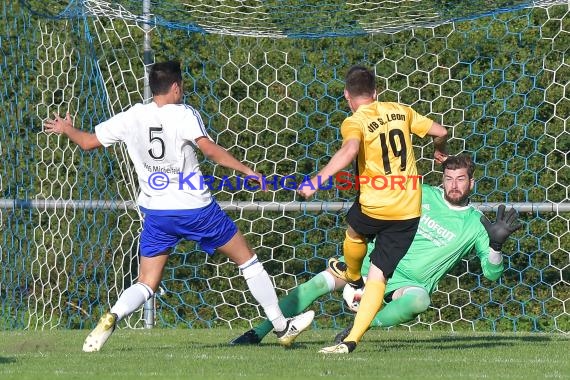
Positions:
(497, 80)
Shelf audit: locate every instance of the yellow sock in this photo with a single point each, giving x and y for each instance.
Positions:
(354, 252)
(370, 304)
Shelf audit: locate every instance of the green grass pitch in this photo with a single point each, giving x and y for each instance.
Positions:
(204, 354)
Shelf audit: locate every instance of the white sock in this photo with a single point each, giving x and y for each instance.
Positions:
(262, 289)
(131, 299)
(330, 279)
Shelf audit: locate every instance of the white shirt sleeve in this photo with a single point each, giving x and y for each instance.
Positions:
(113, 130)
(192, 126)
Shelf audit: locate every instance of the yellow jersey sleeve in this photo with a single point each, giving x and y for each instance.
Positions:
(350, 129)
(419, 124)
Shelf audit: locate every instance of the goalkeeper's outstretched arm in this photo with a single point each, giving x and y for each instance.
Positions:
(498, 232)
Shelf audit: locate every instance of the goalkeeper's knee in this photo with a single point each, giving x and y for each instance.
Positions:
(418, 299)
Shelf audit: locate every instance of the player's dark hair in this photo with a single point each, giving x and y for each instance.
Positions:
(360, 81)
(460, 161)
(162, 75)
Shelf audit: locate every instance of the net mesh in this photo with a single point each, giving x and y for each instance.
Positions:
(267, 78)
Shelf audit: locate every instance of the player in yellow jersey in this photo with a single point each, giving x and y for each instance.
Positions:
(388, 208)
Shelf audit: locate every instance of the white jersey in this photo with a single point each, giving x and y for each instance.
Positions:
(160, 142)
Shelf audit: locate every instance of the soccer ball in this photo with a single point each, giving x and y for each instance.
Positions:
(352, 296)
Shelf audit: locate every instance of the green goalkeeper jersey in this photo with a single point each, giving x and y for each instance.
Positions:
(446, 234)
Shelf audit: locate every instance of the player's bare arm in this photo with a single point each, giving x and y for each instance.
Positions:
(222, 157)
(341, 159)
(64, 126)
(439, 134)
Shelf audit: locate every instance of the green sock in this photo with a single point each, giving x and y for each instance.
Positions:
(297, 300)
(403, 309)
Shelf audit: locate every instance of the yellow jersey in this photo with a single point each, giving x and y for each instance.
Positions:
(387, 173)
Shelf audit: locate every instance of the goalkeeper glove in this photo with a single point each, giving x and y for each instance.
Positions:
(503, 227)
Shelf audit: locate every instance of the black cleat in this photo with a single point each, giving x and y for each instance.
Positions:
(339, 270)
(343, 334)
(248, 338)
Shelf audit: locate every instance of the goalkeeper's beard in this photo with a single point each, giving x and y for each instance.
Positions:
(461, 200)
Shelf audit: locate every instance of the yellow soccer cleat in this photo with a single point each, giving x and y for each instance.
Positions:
(338, 268)
(341, 348)
(97, 338)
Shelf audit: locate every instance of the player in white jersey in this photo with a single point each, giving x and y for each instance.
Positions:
(161, 138)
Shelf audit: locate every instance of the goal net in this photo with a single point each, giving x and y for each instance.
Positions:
(267, 78)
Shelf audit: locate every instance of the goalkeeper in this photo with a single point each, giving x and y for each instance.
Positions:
(449, 230)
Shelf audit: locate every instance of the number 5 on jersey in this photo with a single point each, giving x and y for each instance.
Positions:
(157, 149)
